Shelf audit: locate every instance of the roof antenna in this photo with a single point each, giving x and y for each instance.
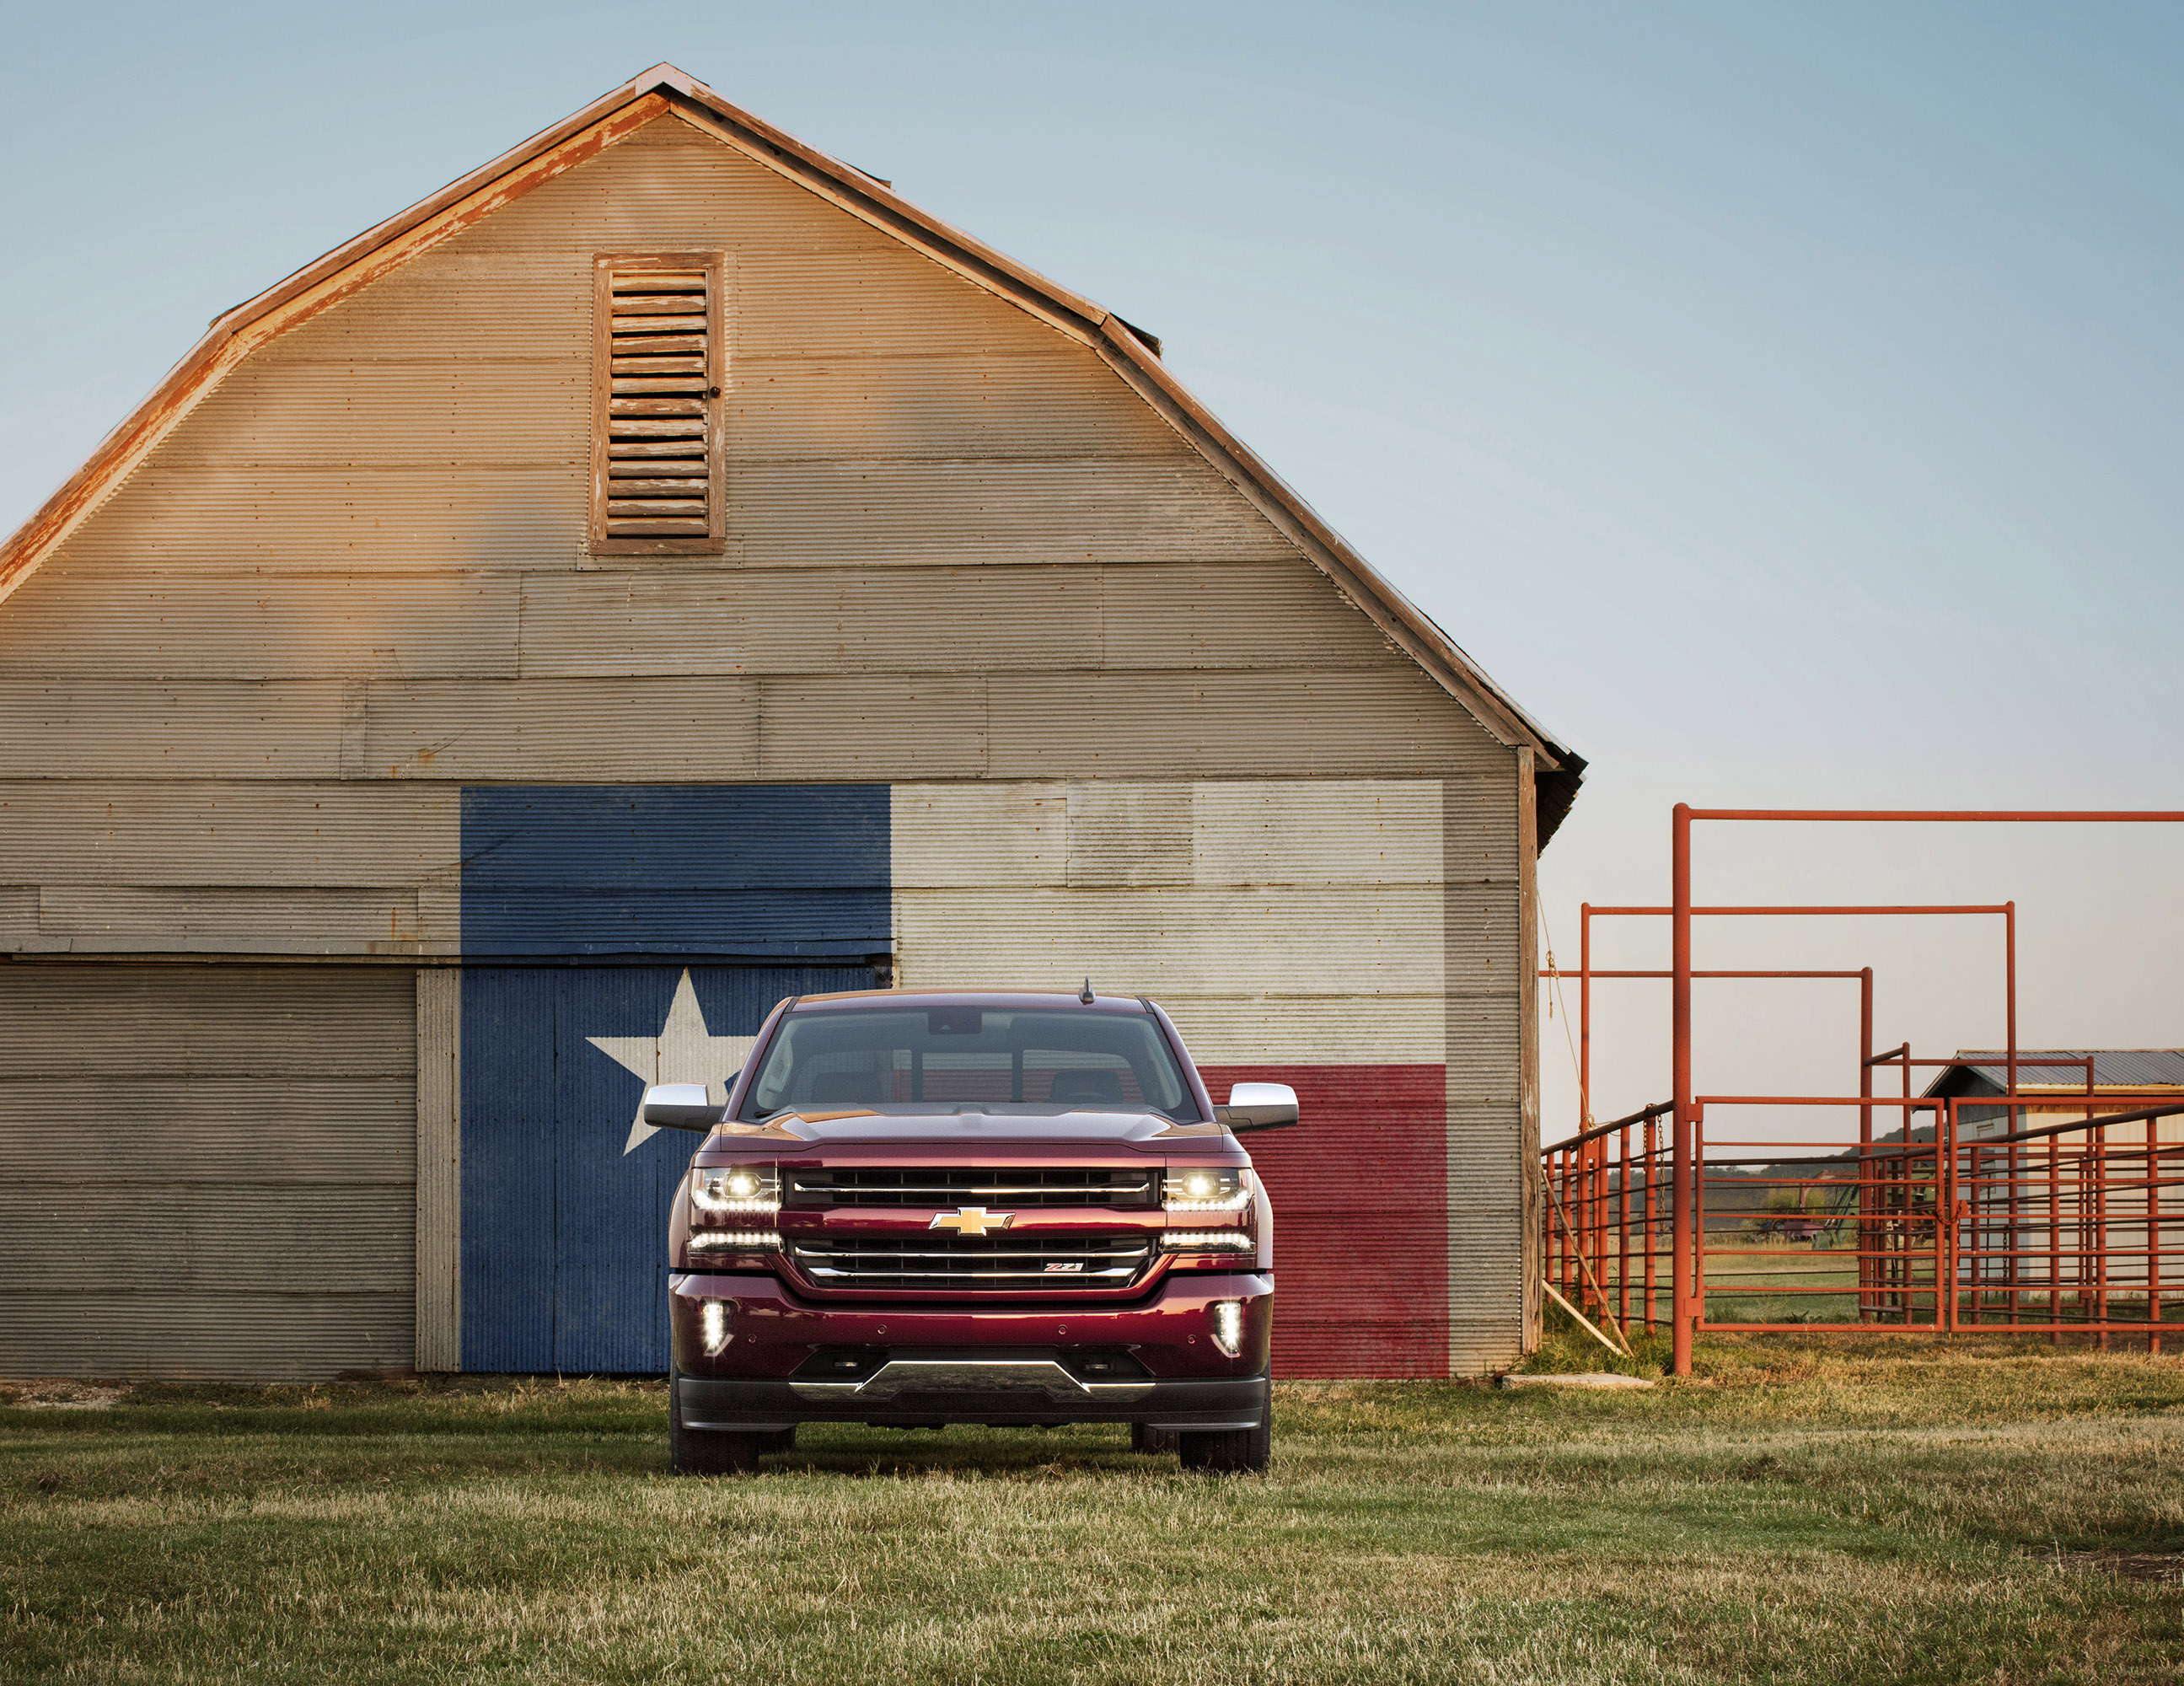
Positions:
(1085, 995)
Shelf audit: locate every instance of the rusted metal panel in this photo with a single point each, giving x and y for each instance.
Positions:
(322, 836)
(439, 1208)
(1275, 722)
(253, 627)
(116, 726)
(277, 1105)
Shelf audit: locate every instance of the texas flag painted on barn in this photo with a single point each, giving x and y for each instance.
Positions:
(617, 936)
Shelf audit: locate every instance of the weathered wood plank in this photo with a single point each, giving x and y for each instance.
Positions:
(439, 1204)
(106, 725)
(112, 1020)
(1270, 724)
(880, 727)
(251, 627)
(1345, 941)
(585, 731)
(1065, 404)
(235, 834)
(109, 919)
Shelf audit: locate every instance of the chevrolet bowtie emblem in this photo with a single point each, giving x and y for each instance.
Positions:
(970, 1221)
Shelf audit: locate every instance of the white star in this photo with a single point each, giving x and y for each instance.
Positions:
(683, 1051)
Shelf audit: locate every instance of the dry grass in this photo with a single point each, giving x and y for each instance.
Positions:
(1800, 1511)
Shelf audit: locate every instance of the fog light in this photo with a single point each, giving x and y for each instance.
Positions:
(715, 1317)
(1229, 1326)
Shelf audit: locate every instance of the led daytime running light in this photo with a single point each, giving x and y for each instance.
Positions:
(1206, 1241)
(1229, 1326)
(715, 1326)
(746, 1241)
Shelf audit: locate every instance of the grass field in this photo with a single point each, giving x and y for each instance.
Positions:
(1798, 1512)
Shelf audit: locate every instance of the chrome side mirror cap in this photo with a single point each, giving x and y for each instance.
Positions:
(1259, 1106)
(681, 1106)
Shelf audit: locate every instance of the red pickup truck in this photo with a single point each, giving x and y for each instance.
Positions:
(920, 1207)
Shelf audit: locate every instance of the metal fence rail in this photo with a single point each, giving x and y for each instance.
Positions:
(2071, 1225)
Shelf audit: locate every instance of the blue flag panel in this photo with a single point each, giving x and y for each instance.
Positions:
(743, 871)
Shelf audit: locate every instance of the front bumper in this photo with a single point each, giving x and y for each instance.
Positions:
(1004, 1389)
(789, 1361)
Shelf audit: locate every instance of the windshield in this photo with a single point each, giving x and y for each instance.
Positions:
(936, 1059)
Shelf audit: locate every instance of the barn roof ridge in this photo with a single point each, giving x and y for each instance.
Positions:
(664, 89)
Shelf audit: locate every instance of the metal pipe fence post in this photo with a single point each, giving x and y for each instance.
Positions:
(1682, 1262)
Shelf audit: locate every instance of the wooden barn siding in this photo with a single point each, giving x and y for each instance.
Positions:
(237, 702)
(210, 1170)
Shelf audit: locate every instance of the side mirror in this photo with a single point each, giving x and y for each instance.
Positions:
(1259, 1106)
(681, 1106)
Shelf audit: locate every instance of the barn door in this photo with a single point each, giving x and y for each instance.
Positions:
(565, 1195)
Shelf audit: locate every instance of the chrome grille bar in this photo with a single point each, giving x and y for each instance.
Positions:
(1057, 1264)
(1031, 1186)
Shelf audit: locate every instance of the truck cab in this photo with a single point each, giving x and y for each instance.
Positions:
(920, 1207)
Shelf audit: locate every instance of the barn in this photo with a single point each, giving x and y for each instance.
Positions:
(662, 573)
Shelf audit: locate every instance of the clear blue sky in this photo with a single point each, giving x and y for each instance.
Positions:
(1783, 402)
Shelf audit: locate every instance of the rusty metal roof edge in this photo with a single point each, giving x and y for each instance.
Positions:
(1413, 630)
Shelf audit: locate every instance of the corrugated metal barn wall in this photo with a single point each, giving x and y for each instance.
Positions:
(240, 707)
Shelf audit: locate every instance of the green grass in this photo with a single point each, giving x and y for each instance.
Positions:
(1799, 1512)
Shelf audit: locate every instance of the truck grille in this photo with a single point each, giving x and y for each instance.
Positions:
(1048, 1185)
(941, 1262)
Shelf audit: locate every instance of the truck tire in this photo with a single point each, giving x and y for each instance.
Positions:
(1232, 1451)
(707, 1451)
(1228, 1451)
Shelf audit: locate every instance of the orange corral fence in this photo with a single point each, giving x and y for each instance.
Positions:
(2052, 1209)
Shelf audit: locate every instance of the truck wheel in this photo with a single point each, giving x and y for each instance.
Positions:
(707, 1451)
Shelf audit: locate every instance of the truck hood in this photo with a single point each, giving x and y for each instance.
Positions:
(969, 1126)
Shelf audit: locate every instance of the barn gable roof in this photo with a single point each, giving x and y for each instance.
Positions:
(665, 90)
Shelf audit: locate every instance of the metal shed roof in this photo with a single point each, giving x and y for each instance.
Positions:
(2113, 1068)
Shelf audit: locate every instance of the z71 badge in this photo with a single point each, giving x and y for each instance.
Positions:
(1054, 1266)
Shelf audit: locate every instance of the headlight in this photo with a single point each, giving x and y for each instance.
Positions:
(717, 1326)
(1208, 1188)
(1228, 1325)
(721, 1190)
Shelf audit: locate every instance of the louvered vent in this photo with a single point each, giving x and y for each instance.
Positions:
(656, 476)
